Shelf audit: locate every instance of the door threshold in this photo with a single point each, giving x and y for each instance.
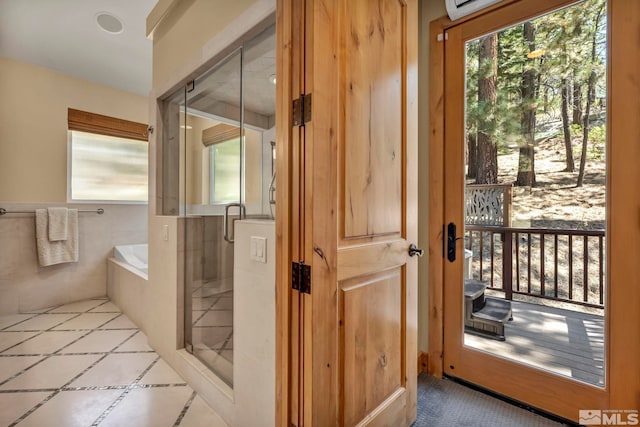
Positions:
(514, 402)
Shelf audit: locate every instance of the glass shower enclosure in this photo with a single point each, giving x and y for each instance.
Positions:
(217, 164)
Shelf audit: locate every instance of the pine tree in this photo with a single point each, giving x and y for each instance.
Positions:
(487, 149)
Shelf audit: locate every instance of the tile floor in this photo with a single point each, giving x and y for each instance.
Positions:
(87, 364)
(212, 330)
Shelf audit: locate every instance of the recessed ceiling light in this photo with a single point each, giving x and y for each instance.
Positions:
(272, 78)
(109, 23)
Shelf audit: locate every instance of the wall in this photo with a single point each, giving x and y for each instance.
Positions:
(33, 173)
(189, 25)
(254, 319)
(25, 286)
(429, 10)
(33, 127)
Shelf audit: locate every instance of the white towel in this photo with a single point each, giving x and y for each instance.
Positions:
(57, 252)
(57, 224)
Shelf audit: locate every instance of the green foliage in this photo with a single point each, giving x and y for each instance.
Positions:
(576, 131)
(598, 140)
(562, 49)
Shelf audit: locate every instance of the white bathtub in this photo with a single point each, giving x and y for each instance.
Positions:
(137, 256)
(127, 280)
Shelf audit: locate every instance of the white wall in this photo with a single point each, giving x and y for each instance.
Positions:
(254, 322)
(25, 286)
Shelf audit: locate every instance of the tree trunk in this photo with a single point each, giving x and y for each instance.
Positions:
(591, 96)
(571, 167)
(591, 91)
(577, 102)
(577, 87)
(472, 153)
(487, 150)
(526, 158)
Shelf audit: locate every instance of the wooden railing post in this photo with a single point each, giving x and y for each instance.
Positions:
(507, 264)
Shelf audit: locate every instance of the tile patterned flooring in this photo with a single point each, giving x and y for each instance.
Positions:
(212, 327)
(213, 322)
(87, 364)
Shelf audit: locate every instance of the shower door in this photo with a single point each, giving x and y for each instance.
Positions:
(227, 125)
(213, 200)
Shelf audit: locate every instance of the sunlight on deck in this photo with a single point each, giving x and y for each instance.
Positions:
(560, 341)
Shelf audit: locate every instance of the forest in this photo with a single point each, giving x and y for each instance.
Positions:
(534, 83)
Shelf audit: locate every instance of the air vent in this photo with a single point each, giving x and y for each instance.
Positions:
(459, 8)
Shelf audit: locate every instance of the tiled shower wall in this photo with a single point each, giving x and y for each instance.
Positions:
(24, 285)
(209, 256)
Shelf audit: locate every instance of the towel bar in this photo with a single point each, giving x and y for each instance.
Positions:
(3, 211)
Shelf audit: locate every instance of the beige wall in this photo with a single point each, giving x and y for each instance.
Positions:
(197, 184)
(429, 10)
(33, 127)
(185, 31)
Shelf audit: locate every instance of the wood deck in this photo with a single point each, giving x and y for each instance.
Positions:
(562, 341)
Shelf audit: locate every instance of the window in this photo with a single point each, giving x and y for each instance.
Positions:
(225, 171)
(108, 159)
(108, 168)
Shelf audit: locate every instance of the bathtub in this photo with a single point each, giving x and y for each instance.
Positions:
(136, 256)
(127, 280)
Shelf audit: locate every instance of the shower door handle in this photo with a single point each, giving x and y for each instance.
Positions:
(225, 223)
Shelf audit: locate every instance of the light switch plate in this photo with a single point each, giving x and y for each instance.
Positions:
(258, 249)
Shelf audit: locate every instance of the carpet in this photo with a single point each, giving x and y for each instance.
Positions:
(444, 403)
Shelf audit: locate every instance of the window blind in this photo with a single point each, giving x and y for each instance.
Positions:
(84, 121)
(219, 133)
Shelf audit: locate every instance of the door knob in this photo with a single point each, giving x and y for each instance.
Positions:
(413, 250)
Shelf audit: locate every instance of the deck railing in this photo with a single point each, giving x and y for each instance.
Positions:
(517, 261)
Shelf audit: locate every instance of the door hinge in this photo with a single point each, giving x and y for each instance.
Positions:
(302, 110)
(442, 37)
(301, 277)
(191, 86)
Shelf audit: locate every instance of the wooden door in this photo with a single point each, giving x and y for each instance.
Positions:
(355, 165)
(539, 388)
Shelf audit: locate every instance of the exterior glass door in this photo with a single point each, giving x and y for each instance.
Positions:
(535, 193)
(525, 231)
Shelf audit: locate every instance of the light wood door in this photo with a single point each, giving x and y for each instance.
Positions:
(356, 167)
(540, 388)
